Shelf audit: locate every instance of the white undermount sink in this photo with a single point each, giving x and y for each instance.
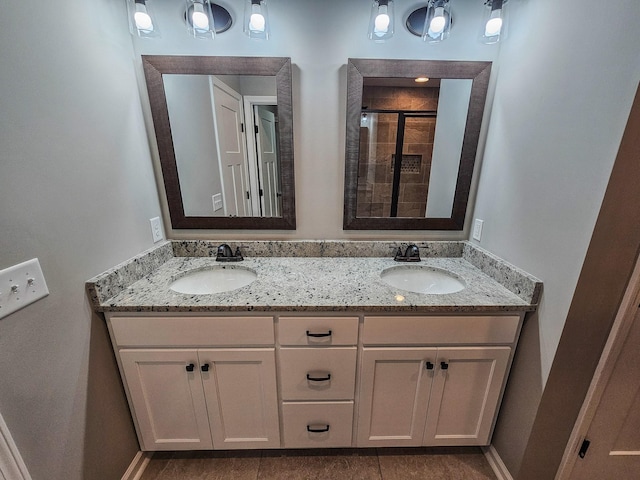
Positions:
(217, 279)
(418, 279)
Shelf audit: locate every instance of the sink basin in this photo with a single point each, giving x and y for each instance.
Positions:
(213, 280)
(417, 279)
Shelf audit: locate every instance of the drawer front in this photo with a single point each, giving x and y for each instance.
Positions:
(192, 331)
(440, 330)
(318, 373)
(318, 331)
(317, 425)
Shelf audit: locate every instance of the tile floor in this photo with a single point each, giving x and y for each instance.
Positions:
(364, 464)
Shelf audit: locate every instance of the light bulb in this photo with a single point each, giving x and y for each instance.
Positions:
(257, 22)
(142, 18)
(382, 21)
(438, 22)
(199, 17)
(494, 24)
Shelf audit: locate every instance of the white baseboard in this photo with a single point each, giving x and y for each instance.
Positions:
(11, 464)
(496, 463)
(137, 466)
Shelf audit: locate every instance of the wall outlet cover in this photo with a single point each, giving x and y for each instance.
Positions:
(477, 229)
(156, 229)
(21, 285)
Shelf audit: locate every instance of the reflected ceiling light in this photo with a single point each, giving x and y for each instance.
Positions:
(381, 21)
(141, 19)
(206, 19)
(256, 19)
(494, 21)
(421, 79)
(433, 22)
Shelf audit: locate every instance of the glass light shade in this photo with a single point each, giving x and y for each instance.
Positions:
(381, 22)
(142, 21)
(200, 19)
(494, 22)
(256, 19)
(437, 25)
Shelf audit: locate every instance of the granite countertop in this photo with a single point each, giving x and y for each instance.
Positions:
(314, 283)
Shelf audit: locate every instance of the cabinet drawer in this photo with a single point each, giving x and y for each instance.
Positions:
(318, 330)
(440, 330)
(303, 370)
(192, 331)
(317, 425)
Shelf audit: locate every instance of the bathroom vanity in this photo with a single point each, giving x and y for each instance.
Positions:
(318, 351)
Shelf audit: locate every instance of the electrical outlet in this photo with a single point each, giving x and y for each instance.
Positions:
(477, 229)
(21, 285)
(217, 202)
(156, 229)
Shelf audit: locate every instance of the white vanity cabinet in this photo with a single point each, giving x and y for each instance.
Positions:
(199, 382)
(317, 365)
(432, 380)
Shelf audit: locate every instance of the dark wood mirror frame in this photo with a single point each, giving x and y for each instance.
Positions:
(157, 65)
(357, 70)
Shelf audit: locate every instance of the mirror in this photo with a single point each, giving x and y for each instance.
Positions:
(410, 145)
(224, 130)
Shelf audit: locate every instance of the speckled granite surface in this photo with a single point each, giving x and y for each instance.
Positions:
(316, 248)
(323, 276)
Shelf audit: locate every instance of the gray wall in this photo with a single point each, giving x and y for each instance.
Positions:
(77, 191)
(194, 141)
(562, 99)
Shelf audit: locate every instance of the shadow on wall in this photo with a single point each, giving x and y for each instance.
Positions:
(110, 442)
(521, 398)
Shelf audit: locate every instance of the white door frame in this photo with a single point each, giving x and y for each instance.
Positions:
(619, 331)
(249, 102)
(12, 466)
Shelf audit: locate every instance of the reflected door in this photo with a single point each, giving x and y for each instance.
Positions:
(227, 105)
(268, 159)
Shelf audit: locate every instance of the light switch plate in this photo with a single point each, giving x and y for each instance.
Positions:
(217, 202)
(20, 286)
(156, 229)
(477, 229)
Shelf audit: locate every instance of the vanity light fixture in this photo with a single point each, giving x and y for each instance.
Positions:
(433, 22)
(382, 20)
(206, 19)
(421, 80)
(141, 19)
(437, 24)
(494, 21)
(256, 19)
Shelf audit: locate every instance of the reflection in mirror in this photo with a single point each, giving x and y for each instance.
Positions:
(224, 132)
(412, 133)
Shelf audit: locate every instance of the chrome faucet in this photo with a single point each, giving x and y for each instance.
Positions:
(225, 254)
(411, 254)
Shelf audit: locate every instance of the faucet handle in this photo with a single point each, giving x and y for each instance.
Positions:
(412, 253)
(238, 254)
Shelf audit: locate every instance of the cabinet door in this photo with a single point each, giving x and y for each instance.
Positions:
(166, 399)
(394, 394)
(466, 389)
(242, 401)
